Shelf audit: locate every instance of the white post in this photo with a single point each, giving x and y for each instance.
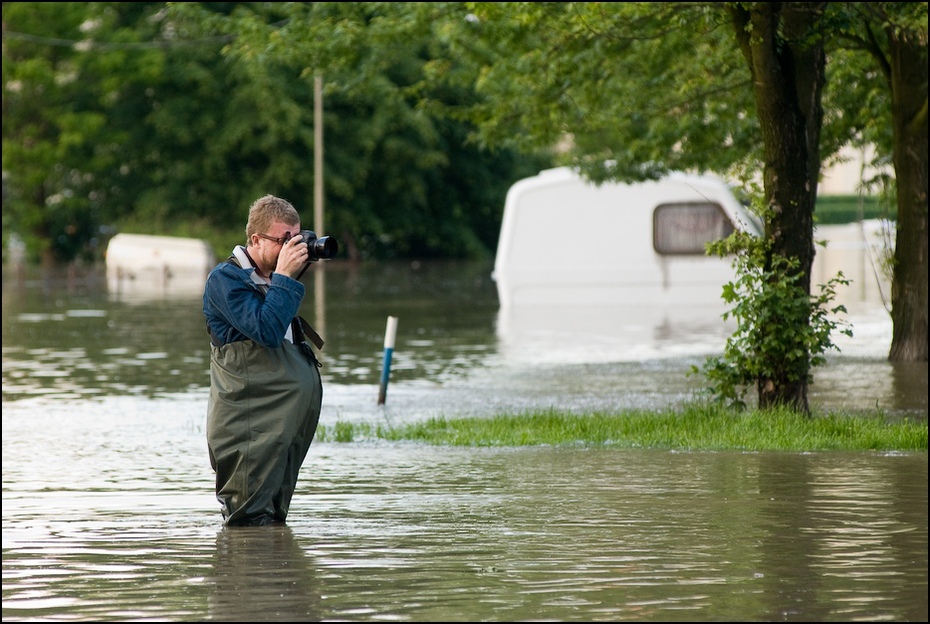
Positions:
(390, 334)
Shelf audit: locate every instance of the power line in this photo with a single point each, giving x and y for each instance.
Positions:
(86, 45)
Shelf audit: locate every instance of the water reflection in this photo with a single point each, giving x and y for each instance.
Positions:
(567, 334)
(109, 515)
(145, 289)
(263, 575)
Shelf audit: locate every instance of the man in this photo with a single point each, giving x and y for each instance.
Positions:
(265, 385)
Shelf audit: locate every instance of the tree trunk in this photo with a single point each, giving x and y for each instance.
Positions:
(787, 66)
(908, 78)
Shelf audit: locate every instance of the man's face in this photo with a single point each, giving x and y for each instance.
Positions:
(268, 244)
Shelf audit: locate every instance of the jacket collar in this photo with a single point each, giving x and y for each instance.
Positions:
(246, 263)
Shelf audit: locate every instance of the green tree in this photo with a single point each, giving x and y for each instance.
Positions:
(645, 88)
(894, 34)
(56, 135)
(876, 95)
(104, 132)
(784, 50)
(171, 119)
(398, 182)
(633, 90)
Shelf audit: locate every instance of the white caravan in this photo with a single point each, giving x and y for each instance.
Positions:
(141, 266)
(616, 271)
(565, 240)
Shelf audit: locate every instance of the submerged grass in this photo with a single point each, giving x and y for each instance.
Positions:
(693, 427)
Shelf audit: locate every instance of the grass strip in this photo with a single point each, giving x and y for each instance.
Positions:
(693, 427)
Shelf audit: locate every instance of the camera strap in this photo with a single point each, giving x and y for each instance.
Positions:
(301, 325)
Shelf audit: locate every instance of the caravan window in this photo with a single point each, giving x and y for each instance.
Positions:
(685, 228)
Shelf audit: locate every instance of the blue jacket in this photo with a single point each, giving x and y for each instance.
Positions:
(236, 308)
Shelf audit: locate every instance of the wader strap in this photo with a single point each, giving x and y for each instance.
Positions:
(214, 340)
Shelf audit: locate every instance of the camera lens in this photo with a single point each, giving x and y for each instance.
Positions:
(324, 248)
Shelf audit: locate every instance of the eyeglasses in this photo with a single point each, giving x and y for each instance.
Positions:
(280, 241)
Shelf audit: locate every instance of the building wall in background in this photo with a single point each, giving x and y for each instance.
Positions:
(844, 178)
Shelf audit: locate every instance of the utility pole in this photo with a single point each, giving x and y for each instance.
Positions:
(318, 155)
(319, 274)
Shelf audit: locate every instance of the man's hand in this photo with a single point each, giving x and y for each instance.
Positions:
(293, 257)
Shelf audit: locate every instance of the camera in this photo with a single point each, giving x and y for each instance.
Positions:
(322, 248)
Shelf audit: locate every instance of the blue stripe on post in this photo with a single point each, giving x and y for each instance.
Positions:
(390, 332)
(385, 374)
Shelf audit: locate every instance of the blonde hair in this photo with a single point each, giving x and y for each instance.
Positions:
(267, 210)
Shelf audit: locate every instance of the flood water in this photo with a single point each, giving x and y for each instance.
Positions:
(109, 514)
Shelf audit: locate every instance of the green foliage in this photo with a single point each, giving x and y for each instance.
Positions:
(627, 91)
(399, 181)
(146, 115)
(171, 118)
(694, 426)
(782, 331)
(55, 140)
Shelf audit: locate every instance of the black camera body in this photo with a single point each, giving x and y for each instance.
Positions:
(322, 248)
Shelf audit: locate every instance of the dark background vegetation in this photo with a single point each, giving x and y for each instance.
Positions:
(118, 118)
